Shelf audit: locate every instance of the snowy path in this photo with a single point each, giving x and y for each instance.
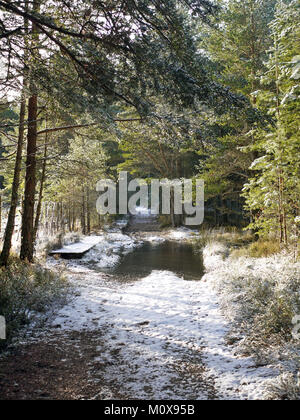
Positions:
(153, 345)
(164, 336)
(157, 337)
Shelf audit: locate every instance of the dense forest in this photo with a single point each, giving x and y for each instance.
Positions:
(162, 90)
(169, 89)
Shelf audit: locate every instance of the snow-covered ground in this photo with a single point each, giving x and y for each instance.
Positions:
(152, 326)
(165, 337)
(235, 376)
(258, 297)
(181, 233)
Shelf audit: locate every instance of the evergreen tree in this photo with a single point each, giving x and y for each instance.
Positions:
(274, 193)
(238, 46)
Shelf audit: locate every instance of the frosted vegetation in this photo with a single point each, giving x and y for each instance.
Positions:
(28, 294)
(260, 297)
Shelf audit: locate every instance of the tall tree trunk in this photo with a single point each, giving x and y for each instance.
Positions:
(40, 199)
(10, 226)
(58, 217)
(30, 183)
(73, 217)
(88, 211)
(172, 211)
(27, 245)
(83, 213)
(62, 218)
(15, 189)
(69, 217)
(0, 212)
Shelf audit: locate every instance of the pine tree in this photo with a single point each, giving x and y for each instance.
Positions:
(274, 192)
(238, 45)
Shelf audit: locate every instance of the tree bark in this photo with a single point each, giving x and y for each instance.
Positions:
(27, 241)
(83, 213)
(27, 246)
(88, 211)
(15, 189)
(10, 226)
(40, 199)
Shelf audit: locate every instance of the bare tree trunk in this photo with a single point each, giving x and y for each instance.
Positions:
(40, 199)
(69, 216)
(27, 244)
(173, 218)
(88, 211)
(83, 210)
(73, 217)
(62, 217)
(280, 208)
(58, 217)
(15, 189)
(10, 226)
(30, 183)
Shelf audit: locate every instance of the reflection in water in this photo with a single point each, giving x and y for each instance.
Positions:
(179, 258)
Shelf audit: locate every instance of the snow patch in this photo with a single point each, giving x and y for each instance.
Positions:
(155, 239)
(153, 327)
(181, 233)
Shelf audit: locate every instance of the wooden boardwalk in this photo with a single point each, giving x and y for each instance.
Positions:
(78, 249)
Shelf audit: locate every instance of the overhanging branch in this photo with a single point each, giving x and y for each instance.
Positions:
(73, 127)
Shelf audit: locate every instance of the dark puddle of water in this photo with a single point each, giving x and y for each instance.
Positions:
(179, 258)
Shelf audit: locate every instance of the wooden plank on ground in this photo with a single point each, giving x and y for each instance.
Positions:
(78, 249)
